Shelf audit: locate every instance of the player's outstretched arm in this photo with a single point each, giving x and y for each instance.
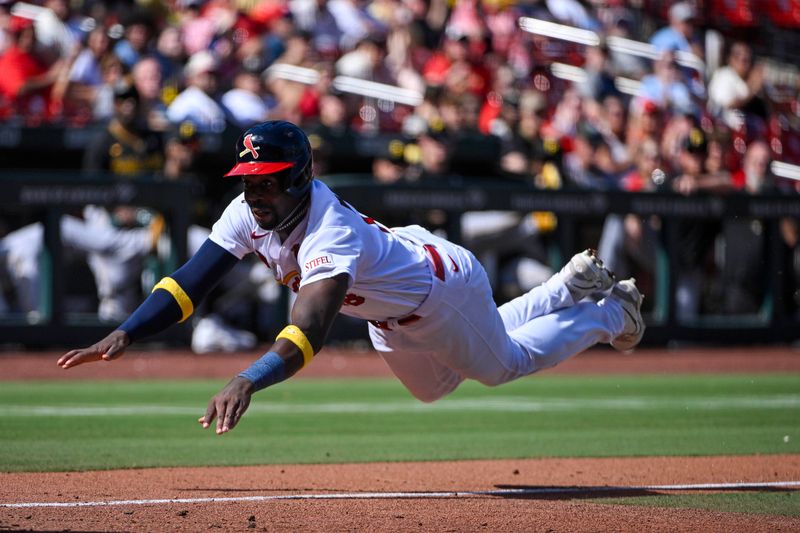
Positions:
(313, 313)
(108, 349)
(173, 300)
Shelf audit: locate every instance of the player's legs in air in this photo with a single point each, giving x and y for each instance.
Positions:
(584, 276)
(468, 337)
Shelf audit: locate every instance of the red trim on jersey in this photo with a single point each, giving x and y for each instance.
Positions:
(455, 266)
(252, 167)
(263, 259)
(436, 259)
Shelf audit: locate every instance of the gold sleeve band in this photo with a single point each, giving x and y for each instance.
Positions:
(172, 287)
(296, 335)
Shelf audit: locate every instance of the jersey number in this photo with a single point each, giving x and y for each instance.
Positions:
(350, 298)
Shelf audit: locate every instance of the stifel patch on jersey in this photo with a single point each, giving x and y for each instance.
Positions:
(321, 260)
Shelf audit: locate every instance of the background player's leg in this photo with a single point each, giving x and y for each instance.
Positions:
(118, 280)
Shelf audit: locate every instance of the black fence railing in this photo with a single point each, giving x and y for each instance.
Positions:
(778, 320)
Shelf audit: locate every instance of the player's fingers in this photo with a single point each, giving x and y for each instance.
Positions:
(240, 409)
(72, 361)
(113, 352)
(211, 412)
(231, 416)
(222, 407)
(82, 356)
(66, 357)
(73, 357)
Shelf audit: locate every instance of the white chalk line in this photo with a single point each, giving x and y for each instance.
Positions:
(494, 404)
(521, 492)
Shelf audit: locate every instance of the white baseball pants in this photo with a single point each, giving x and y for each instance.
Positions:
(463, 335)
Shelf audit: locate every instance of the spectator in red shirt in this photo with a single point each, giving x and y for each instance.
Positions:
(26, 81)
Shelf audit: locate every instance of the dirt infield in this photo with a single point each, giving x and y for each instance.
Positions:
(525, 495)
(181, 364)
(543, 512)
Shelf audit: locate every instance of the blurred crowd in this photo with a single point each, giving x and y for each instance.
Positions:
(701, 113)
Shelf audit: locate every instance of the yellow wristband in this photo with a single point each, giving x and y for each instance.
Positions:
(296, 335)
(172, 287)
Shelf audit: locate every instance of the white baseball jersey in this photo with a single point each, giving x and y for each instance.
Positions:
(429, 301)
(389, 274)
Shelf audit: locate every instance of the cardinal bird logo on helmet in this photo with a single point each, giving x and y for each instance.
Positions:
(248, 146)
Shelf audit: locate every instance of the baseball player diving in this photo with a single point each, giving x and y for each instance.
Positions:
(427, 301)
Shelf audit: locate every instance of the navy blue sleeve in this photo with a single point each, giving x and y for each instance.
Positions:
(197, 277)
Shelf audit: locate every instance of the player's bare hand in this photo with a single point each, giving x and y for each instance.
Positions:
(228, 405)
(108, 349)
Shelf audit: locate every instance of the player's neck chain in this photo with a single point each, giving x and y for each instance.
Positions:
(295, 216)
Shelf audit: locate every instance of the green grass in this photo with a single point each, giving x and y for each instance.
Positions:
(101, 425)
(773, 503)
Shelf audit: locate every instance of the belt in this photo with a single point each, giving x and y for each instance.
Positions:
(384, 324)
(438, 271)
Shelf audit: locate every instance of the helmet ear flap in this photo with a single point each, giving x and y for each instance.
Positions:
(301, 182)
